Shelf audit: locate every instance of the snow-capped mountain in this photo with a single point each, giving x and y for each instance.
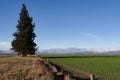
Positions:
(6, 51)
(75, 50)
(81, 50)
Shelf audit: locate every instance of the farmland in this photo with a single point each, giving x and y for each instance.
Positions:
(102, 65)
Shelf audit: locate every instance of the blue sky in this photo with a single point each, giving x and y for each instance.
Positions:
(65, 23)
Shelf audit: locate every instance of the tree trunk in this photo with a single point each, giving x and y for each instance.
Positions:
(24, 55)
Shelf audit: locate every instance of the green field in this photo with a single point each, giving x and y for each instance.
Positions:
(103, 65)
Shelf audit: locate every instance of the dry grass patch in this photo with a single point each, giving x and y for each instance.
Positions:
(30, 68)
(25, 68)
(12, 68)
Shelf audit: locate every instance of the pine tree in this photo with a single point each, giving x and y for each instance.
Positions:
(23, 43)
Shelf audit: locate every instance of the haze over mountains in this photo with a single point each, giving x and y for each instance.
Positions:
(74, 50)
(6, 51)
(82, 50)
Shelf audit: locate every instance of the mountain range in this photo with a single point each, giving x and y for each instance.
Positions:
(74, 50)
(6, 51)
(81, 50)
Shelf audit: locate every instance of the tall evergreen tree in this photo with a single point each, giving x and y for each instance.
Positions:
(23, 43)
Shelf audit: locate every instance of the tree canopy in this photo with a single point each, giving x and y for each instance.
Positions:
(23, 43)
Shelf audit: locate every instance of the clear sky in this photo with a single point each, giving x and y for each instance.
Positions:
(65, 23)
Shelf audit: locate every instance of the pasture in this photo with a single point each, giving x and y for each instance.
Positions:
(106, 66)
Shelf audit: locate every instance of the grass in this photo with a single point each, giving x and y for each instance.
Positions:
(14, 67)
(103, 65)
